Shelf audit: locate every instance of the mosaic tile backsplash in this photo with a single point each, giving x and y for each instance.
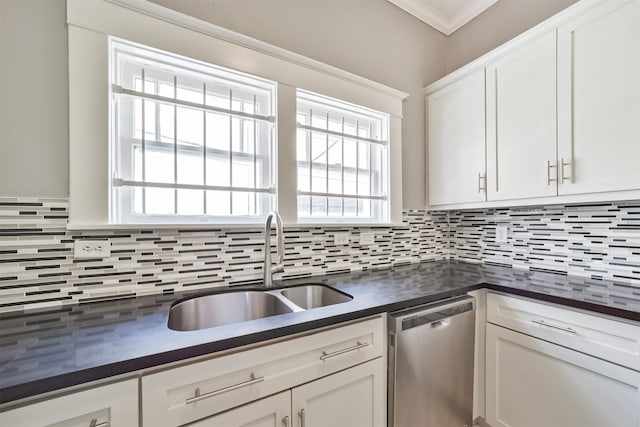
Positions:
(37, 268)
(599, 241)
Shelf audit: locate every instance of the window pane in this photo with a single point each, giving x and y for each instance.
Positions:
(335, 206)
(170, 143)
(346, 160)
(304, 205)
(159, 201)
(218, 131)
(159, 165)
(319, 165)
(190, 202)
(218, 203)
(218, 170)
(190, 166)
(190, 126)
(318, 206)
(243, 203)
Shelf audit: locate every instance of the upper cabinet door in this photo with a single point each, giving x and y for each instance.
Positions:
(521, 122)
(599, 100)
(456, 148)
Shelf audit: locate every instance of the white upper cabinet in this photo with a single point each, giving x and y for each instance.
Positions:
(456, 150)
(599, 99)
(562, 115)
(521, 122)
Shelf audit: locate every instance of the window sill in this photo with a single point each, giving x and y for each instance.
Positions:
(212, 226)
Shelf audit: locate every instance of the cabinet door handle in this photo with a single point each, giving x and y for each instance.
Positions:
(301, 415)
(562, 165)
(358, 346)
(481, 187)
(285, 421)
(549, 167)
(94, 423)
(199, 396)
(561, 328)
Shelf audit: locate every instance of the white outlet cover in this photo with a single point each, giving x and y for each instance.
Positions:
(341, 238)
(501, 232)
(91, 249)
(367, 238)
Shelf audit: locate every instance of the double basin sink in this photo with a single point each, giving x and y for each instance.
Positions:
(211, 310)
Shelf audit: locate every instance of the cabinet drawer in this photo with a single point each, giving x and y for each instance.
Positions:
(615, 341)
(187, 393)
(108, 405)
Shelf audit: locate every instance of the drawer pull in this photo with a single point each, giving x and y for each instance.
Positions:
(285, 421)
(199, 396)
(301, 415)
(562, 328)
(94, 423)
(358, 346)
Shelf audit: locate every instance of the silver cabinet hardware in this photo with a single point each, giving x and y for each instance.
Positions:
(358, 346)
(561, 328)
(563, 178)
(94, 423)
(301, 415)
(285, 421)
(199, 396)
(549, 178)
(482, 179)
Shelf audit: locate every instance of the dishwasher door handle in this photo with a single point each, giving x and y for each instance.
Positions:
(438, 317)
(441, 323)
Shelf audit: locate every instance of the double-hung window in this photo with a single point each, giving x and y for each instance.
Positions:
(342, 161)
(190, 141)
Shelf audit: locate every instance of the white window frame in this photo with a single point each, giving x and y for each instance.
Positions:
(123, 189)
(378, 202)
(92, 22)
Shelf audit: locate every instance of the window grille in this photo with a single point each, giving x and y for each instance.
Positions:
(342, 161)
(190, 142)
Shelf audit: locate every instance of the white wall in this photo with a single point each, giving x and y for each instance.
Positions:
(34, 90)
(498, 24)
(372, 38)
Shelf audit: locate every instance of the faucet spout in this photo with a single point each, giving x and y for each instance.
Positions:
(270, 267)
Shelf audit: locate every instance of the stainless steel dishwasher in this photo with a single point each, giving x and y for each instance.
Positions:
(431, 351)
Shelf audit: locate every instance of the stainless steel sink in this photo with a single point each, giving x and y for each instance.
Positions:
(312, 296)
(225, 308)
(208, 311)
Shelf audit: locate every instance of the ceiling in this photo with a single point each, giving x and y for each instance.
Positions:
(445, 16)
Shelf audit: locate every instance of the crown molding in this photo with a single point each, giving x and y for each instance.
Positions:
(430, 15)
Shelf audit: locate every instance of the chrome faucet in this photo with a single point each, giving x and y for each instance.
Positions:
(269, 267)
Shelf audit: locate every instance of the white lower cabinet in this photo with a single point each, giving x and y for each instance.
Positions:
(355, 397)
(531, 382)
(273, 411)
(341, 368)
(112, 405)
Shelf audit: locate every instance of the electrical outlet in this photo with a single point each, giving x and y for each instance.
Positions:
(367, 238)
(91, 249)
(501, 233)
(341, 238)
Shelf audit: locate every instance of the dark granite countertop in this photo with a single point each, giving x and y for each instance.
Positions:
(47, 350)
